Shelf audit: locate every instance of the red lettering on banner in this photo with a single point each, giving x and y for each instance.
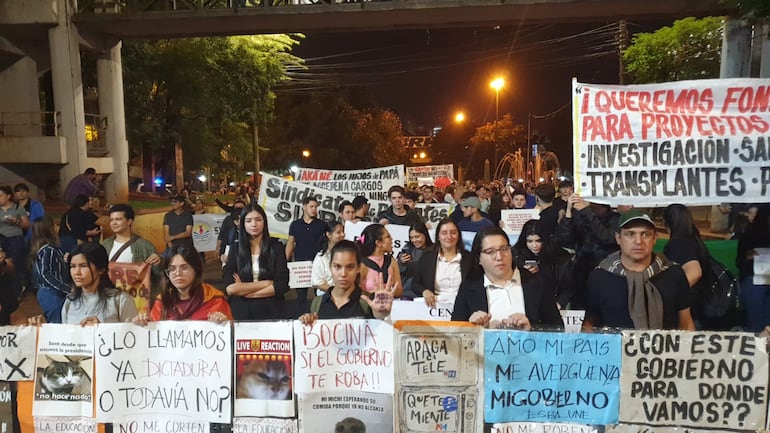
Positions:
(324, 335)
(611, 127)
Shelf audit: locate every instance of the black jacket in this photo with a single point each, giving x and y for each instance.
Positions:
(539, 302)
(425, 277)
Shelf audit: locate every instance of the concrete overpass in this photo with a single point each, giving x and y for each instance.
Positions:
(41, 35)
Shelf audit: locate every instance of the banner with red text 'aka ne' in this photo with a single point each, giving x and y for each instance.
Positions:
(694, 142)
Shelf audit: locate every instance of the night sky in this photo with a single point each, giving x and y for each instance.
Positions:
(425, 76)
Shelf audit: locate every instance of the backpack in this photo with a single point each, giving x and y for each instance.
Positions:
(718, 293)
(315, 305)
(377, 268)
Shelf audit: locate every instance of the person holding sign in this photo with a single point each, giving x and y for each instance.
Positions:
(345, 299)
(378, 264)
(398, 212)
(321, 275)
(93, 299)
(498, 295)
(256, 274)
(635, 288)
(185, 296)
(536, 254)
(408, 258)
(442, 268)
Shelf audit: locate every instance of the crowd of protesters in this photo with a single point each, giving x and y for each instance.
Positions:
(577, 255)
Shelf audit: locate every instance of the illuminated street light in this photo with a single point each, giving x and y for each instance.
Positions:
(202, 178)
(459, 117)
(497, 84)
(306, 153)
(422, 155)
(294, 169)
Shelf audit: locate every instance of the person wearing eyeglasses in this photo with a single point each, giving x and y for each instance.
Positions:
(498, 295)
(184, 295)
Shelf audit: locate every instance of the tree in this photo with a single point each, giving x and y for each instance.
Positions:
(380, 131)
(202, 95)
(504, 136)
(690, 49)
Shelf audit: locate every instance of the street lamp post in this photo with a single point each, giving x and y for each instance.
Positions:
(496, 84)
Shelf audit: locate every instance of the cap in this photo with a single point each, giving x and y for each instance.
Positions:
(635, 215)
(472, 202)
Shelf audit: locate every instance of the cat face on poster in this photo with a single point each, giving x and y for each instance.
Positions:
(64, 377)
(263, 379)
(350, 425)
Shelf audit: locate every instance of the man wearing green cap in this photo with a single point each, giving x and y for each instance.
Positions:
(634, 288)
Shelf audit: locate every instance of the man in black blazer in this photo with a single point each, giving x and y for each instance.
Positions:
(495, 295)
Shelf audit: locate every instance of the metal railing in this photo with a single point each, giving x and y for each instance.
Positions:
(134, 6)
(29, 123)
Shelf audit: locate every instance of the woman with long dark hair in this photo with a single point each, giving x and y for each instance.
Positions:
(409, 257)
(78, 224)
(321, 274)
(536, 254)
(442, 268)
(256, 274)
(184, 295)
(497, 294)
(93, 298)
(345, 299)
(50, 273)
(377, 262)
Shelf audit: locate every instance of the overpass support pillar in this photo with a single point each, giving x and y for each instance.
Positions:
(68, 93)
(111, 104)
(21, 99)
(736, 49)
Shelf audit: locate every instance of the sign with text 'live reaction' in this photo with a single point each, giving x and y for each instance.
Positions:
(695, 142)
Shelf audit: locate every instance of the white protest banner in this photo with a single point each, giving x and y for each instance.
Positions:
(432, 171)
(344, 355)
(154, 424)
(264, 425)
(263, 369)
(64, 424)
(534, 427)
(17, 352)
(300, 274)
(694, 379)
(372, 183)
(514, 219)
(550, 377)
(64, 368)
(348, 412)
(439, 371)
(399, 233)
(573, 320)
(694, 142)
(282, 201)
(432, 213)
(418, 310)
(206, 230)
(179, 370)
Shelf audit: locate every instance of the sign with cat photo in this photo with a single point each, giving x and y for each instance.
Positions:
(17, 352)
(263, 370)
(64, 369)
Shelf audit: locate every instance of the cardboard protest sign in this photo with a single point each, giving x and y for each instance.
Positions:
(265, 425)
(344, 355)
(573, 320)
(154, 424)
(65, 424)
(694, 379)
(693, 142)
(514, 219)
(324, 412)
(178, 370)
(533, 427)
(431, 213)
(551, 377)
(6, 407)
(636, 428)
(418, 310)
(372, 183)
(439, 371)
(206, 230)
(282, 201)
(300, 274)
(134, 279)
(429, 171)
(263, 369)
(17, 352)
(64, 368)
